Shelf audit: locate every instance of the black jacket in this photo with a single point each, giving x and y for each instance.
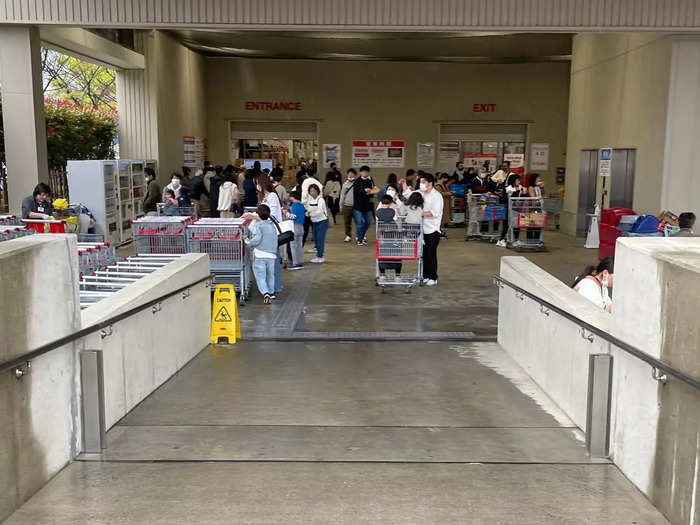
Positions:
(479, 186)
(197, 188)
(362, 202)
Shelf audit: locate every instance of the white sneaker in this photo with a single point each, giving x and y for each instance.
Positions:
(501, 243)
(311, 250)
(318, 260)
(347, 239)
(430, 282)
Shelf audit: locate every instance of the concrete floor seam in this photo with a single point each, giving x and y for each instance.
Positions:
(605, 463)
(437, 427)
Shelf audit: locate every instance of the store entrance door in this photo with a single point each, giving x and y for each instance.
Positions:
(587, 190)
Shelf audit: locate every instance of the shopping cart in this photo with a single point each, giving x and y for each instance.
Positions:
(223, 240)
(9, 220)
(553, 207)
(45, 226)
(485, 215)
(398, 254)
(8, 232)
(153, 234)
(182, 211)
(526, 213)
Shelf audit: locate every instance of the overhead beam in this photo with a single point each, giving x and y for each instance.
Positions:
(91, 47)
(386, 15)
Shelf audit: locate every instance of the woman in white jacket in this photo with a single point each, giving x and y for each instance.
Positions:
(318, 213)
(229, 197)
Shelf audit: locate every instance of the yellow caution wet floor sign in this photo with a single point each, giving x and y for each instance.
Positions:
(225, 324)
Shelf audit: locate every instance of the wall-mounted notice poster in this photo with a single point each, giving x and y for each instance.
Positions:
(379, 153)
(331, 153)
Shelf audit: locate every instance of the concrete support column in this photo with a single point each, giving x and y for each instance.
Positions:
(681, 176)
(22, 111)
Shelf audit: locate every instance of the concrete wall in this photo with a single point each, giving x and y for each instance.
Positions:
(161, 104)
(388, 100)
(655, 429)
(146, 349)
(39, 415)
(619, 98)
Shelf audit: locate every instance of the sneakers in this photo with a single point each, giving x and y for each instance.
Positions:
(267, 299)
(311, 250)
(347, 239)
(295, 267)
(362, 242)
(430, 282)
(318, 260)
(273, 296)
(501, 243)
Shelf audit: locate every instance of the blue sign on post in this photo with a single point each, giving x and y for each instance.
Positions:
(604, 162)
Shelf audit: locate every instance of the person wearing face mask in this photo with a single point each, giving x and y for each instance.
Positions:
(153, 192)
(362, 204)
(594, 283)
(347, 194)
(536, 190)
(432, 216)
(318, 213)
(175, 185)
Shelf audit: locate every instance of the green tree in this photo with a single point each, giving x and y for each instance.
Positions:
(84, 83)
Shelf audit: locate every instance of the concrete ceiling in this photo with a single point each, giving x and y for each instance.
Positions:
(441, 47)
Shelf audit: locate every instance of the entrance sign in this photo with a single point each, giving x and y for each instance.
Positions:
(225, 324)
(379, 153)
(331, 153)
(425, 155)
(604, 162)
(251, 105)
(539, 157)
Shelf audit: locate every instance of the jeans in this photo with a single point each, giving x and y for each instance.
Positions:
(348, 215)
(430, 262)
(264, 271)
(320, 229)
(297, 245)
(363, 220)
(278, 273)
(307, 225)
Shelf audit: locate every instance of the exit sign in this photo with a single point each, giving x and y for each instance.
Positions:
(483, 108)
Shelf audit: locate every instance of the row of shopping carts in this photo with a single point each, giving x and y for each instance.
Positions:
(221, 238)
(529, 215)
(11, 228)
(117, 275)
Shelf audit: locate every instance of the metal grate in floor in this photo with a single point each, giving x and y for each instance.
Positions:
(368, 336)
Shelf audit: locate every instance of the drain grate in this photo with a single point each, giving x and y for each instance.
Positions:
(368, 336)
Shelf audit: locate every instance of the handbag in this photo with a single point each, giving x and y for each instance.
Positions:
(286, 231)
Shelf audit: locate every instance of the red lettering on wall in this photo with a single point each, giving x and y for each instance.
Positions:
(483, 108)
(251, 105)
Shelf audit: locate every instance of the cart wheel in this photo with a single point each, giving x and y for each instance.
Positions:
(241, 300)
(383, 289)
(420, 283)
(409, 289)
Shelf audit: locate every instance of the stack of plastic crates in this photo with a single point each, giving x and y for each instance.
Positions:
(485, 216)
(161, 235)
(222, 239)
(398, 254)
(528, 214)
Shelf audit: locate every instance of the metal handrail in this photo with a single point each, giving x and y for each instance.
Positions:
(656, 364)
(106, 325)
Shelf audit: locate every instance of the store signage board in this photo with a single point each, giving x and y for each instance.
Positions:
(254, 105)
(604, 162)
(539, 157)
(194, 150)
(517, 162)
(331, 153)
(479, 160)
(379, 153)
(425, 155)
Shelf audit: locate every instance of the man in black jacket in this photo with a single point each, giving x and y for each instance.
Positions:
(153, 192)
(362, 204)
(197, 190)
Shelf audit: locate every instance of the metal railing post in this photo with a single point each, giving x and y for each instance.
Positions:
(92, 383)
(598, 411)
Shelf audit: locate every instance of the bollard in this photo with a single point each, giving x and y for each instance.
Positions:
(91, 379)
(599, 398)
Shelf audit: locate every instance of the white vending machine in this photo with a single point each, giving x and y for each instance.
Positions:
(93, 183)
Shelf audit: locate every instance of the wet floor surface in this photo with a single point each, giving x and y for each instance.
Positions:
(346, 433)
